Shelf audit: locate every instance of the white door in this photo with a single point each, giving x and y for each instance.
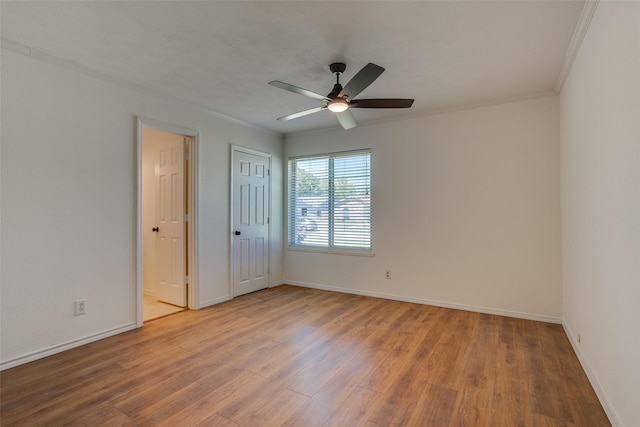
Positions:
(250, 221)
(170, 225)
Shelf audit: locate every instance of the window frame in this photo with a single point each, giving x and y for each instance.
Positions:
(291, 222)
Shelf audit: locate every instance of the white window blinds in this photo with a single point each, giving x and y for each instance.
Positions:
(330, 201)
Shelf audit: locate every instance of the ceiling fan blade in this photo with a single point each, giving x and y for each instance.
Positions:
(298, 90)
(381, 103)
(346, 119)
(362, 80)
(302, 113)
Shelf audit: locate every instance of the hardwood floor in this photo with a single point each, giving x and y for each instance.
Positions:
(291, 356)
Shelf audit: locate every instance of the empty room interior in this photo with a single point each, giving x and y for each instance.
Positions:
(266, 213)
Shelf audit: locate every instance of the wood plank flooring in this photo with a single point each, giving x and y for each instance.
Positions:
(290, 356)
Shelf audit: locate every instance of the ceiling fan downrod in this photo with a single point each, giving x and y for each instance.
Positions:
(336, 68)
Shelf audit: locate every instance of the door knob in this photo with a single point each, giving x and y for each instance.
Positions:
(155, 229)
(237, 233)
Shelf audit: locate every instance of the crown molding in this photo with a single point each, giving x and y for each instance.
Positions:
(432, 112)
(579, 33)
(72, 66)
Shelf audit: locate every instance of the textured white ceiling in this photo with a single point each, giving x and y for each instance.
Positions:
(220, 55)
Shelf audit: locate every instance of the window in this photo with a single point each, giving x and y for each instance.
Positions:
(330, 201)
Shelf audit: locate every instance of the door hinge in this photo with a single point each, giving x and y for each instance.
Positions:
(187, 217)
(186, 280)
(268, 220)
(268, 171)
(186, 155)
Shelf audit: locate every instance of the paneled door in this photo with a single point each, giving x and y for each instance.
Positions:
(171, 286)
(250, 221)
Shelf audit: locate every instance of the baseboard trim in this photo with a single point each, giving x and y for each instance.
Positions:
(210, 302)
(225, 298)
(593, 379)
(59, 348)
(444, 304)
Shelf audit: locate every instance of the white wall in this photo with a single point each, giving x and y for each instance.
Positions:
(600, 122)
(465, 210)
(69, 203)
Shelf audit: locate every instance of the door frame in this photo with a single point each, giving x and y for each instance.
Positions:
(191, 194)
(234, 149)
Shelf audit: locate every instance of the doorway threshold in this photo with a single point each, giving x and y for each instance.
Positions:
(153, 309)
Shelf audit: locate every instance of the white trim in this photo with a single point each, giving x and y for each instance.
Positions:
(579, 32)
(143, 122)
(269, 156)
(71, 66)
(16, 47)
(433, 112)
(593, 379)
(323, 250)
(276, 284)
(50, 59)
(138, 273)
(39, 354)
(219, 300)
(456, 306)
(194, 283)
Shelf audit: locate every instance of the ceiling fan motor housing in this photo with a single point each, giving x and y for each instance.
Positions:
(338, 67)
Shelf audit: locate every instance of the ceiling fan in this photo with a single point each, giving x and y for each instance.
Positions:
(341, 99)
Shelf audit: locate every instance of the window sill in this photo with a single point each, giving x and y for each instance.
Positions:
(332, 251)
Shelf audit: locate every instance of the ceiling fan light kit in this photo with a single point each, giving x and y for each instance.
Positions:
(340, 99)
(338, 105)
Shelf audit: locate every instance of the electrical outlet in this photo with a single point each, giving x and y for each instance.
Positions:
(80, 307)
(387, 274)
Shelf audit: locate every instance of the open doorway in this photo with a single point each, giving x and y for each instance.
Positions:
(166, 223)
